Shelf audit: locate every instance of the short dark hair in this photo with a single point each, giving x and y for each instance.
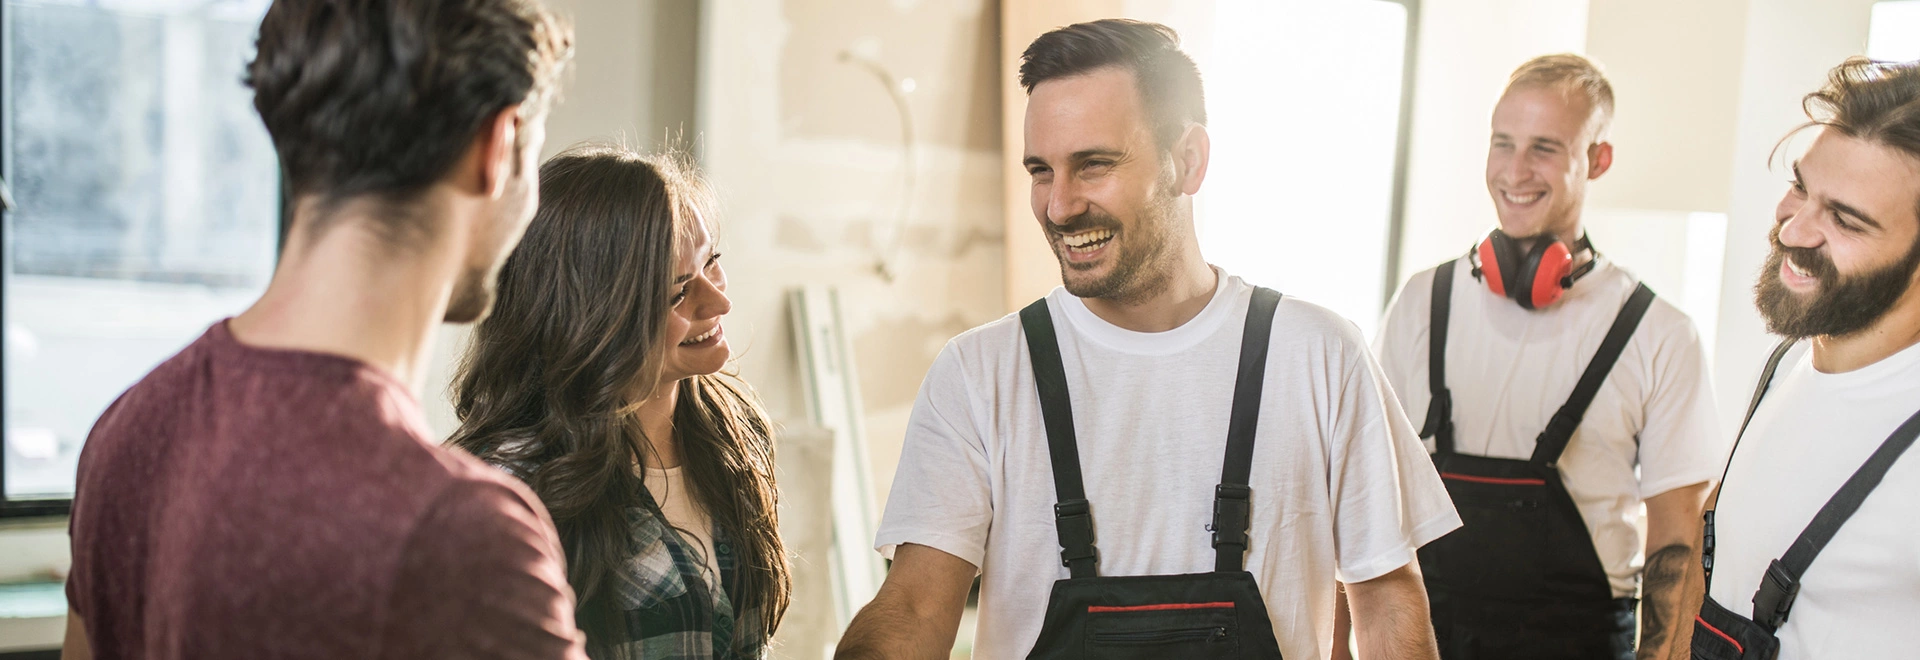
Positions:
(382, 97)
(1168, 81)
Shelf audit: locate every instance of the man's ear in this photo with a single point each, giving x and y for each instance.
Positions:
(1599, 159)
(497, 145)
(1190, 155)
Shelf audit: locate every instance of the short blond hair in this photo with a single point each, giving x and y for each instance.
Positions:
(1569, 73)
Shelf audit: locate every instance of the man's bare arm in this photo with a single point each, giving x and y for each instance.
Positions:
(916, 613)
(1672, 585)
(75, 647)
(1390, 617)
(1673, 554)
(1342, 624)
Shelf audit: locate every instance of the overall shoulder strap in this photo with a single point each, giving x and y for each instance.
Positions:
(1072, 518)
(1232, 507)
(1553, 441)
(1759, 392)
(1439, 424)
(1781, 584)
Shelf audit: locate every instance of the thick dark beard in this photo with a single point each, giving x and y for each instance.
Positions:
(1138, 273)
(1842, 305)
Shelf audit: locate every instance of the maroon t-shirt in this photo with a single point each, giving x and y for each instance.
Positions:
(242, 502)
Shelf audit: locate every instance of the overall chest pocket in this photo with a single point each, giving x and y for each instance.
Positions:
(1183, 630)
(1504, 543)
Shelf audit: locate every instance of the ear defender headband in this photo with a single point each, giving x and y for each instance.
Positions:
(1536, 278)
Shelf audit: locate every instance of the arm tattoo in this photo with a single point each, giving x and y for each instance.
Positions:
(1662, 584)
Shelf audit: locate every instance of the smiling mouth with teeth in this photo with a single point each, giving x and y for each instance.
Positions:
(1087, 241)
(1797, 270)
(1522, 200)
(701, 338)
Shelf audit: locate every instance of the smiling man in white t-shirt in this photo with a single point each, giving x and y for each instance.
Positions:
(1843, 285)
(1149, 340)
(1550, 560)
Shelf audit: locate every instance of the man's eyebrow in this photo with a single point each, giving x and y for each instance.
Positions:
(1032, 161)
(1848, 209)
(1838, 205)
(1548, 140)
(1109, 152)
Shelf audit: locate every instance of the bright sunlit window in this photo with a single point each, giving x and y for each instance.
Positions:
(1895, 31)
(146, 202)
(1304, 110)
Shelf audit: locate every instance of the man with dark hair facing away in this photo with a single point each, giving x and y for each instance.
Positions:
(1812, 547)
(1559, 395)
(273, 491)
(1189, 460)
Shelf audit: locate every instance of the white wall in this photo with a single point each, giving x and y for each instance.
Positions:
(805, 150)
(1790, 45)
(1467, 49)
(1676, 83)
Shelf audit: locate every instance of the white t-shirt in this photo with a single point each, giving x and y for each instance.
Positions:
(1861, 596)
(1339, 479)
(1510, 369)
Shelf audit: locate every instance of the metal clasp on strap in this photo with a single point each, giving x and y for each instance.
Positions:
(1775, 598)
(1231, 515)
(1074, 520)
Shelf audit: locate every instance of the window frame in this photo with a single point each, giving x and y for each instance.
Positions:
(1397, 208)
(10, 508)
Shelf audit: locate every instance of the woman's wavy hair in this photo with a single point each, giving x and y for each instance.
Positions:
(548, 386)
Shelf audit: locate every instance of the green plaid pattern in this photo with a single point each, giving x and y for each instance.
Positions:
(671, 612)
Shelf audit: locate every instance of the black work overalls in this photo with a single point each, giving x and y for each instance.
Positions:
(1718, 633)
(1521, 579)
(1198, 615)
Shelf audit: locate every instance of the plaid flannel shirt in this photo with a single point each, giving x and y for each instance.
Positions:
(669, 609)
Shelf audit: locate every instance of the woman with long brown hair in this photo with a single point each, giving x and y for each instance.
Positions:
(597, 381)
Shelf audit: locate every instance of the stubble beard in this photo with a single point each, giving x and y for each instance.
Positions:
(1141, 269)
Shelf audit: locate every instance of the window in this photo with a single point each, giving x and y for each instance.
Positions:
(1894, 33)
(1277, 71)
(145, 207)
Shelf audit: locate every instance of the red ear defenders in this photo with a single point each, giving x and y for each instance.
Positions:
(1535, 278)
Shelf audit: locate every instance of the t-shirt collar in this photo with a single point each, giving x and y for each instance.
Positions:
(1202, 326)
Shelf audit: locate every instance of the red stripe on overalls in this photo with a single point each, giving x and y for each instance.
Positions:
(1162, 606)
(1493, 480)
(1716, 631)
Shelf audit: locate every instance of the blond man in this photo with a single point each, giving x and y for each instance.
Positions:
(1559, 396)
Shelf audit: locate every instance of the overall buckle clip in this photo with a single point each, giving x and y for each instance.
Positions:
(1231, 515)
(1775, 597)
(1074, 520)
